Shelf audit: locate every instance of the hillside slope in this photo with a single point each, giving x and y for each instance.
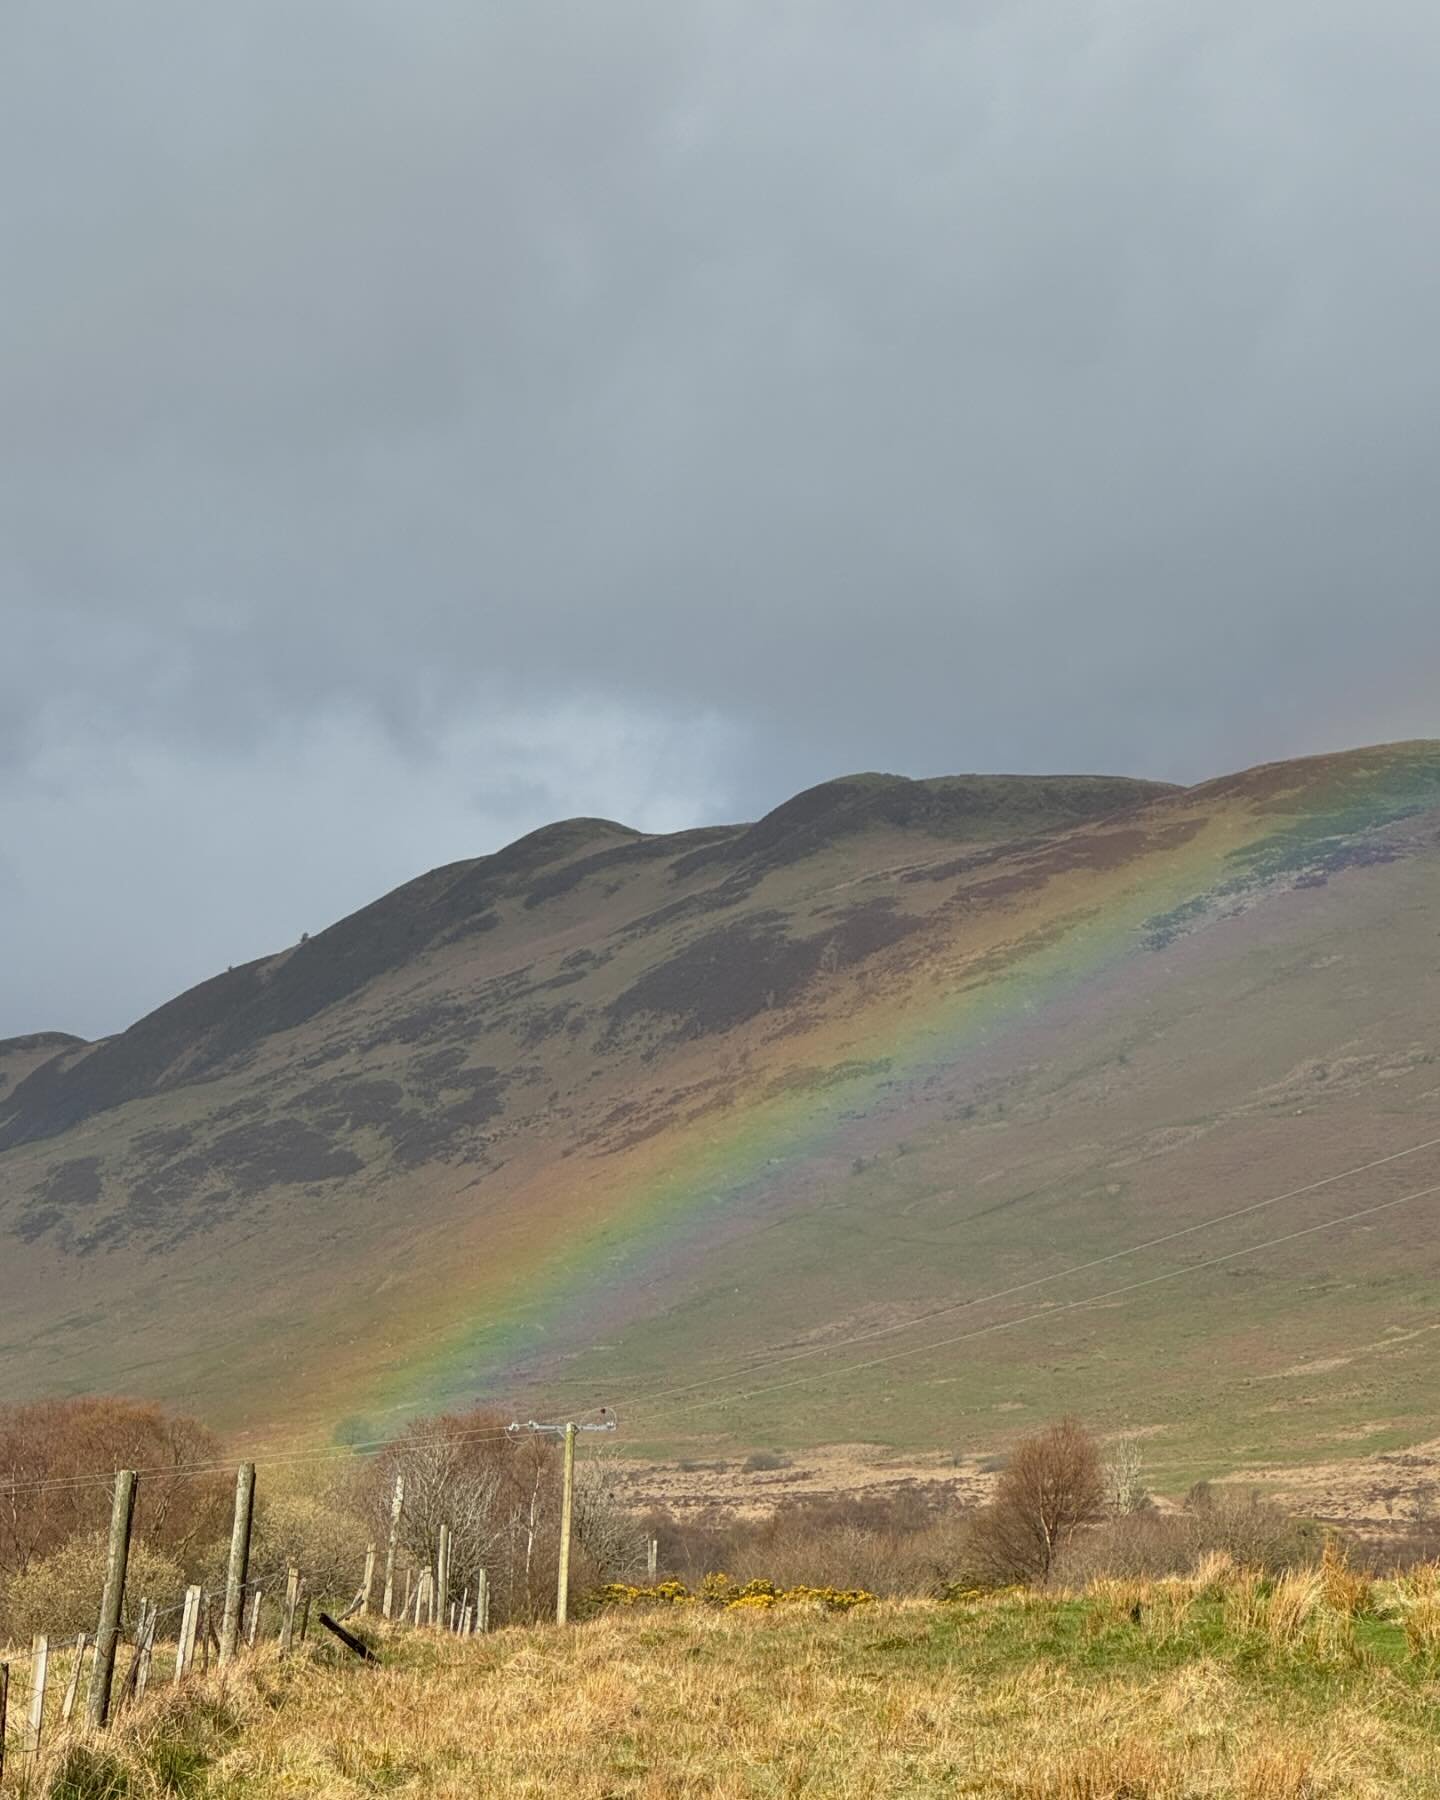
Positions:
(605, 1116)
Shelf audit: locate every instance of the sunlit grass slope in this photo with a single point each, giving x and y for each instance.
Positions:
(1228, 1690)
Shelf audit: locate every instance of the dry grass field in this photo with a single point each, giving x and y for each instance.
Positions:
(1220, 1686)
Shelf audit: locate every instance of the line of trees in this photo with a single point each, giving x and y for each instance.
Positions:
(499, 1496)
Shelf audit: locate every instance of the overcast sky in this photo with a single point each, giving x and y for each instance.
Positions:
(421, 421)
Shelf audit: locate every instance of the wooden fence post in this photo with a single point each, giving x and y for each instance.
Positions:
(147, 1651)
(304, 1612)
(442, 1579)
(368, 1584)
(287, 1615)
(72, 1687)
(482, 1600)
(185, 1643)
(409, 1580)
(652, 1560)
(250, 1635)
(134, 1684)
(238, 1570)
(4, 1711)
(396, 1506)
(107, 1635)
(39, 1671)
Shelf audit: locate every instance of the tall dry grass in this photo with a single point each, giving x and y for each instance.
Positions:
(899, 1698)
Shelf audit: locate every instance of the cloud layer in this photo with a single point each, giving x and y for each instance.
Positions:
(651, 408)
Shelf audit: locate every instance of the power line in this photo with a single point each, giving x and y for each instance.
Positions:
(373, 1447)
(1052, 1312)
(1169, 1237)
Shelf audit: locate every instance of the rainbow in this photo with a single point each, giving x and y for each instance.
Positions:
(605, 1234)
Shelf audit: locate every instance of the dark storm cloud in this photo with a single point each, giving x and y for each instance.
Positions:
(919, 386)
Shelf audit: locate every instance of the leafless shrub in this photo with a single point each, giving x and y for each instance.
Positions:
(49, 1441)
(499, 1495)
(1052, 1486)
(908, 1542)
(313, 1528)
(59, 1594)
(1124, 1477)
(608, 1535)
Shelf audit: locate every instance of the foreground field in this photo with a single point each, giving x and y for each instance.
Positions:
(1167, 1691)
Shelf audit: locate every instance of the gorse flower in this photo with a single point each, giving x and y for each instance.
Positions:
(722, 1593)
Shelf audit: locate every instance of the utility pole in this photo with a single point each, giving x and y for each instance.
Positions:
(567, 1496)
(567, 1511)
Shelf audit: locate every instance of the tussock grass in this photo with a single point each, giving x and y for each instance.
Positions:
(1226, 1687)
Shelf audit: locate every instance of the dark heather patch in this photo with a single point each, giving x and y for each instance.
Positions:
(286, 1152)
(723, 978)
(341, 1105)
(868, 927)
(164, 1144)
(543, 1022)
(728, 893)
(71, 1184)
(476, 926)
(586, 959)
(35, 1221)
(441, 1019)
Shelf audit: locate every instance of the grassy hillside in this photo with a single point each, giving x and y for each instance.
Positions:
(1216, 1687)
(735, 1131)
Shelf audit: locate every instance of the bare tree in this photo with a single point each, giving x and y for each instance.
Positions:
(610, 1536)
(1051, 1487)
(45, 1443)
(1124, 1477)
(499, 1495)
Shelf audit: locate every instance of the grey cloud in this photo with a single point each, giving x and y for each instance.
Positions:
(1023, 385)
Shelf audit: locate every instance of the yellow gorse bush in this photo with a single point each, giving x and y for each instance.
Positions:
(722, 1593)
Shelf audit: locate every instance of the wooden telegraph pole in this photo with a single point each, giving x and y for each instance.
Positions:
(567, 1497)
(237, 1572)
(567, 1514)
(107, 1635)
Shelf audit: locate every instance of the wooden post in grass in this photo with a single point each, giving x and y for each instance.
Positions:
(4, 1711)
(409, 1579)
(205, 1629)
(72, 1686)
(362, 1650)
(107, 1634)
(237, 1570)
(139, 1673)
(442, 1578)
(397, 1504)
(147, 1651)
(254, 1628)
(368, 1584)
(185, 1643)
(39, 1671)
(482, 1600)
(287, 1612)
(652, 1560)
(304, 1611)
